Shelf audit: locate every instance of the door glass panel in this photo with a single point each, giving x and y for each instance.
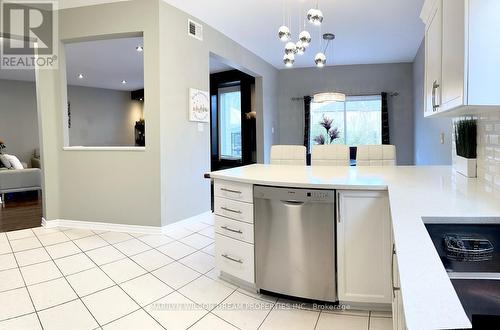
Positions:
(230, 123)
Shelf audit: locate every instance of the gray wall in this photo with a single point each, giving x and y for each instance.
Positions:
(352, 80)
(18, 118)
(102, 117)
(163, 183)
(428, 147)
(185, 150)
(120, 187)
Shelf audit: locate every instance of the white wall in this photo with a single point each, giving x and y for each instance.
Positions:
(102, 117)
(352, 80)
(428, 147)
(18, 118)
(488, 149)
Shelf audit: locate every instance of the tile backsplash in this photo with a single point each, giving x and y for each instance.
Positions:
(488, 148)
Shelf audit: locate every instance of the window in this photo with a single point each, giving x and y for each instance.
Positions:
(230, 123)
(356, 121)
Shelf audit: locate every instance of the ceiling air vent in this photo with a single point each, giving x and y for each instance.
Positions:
(195, 29)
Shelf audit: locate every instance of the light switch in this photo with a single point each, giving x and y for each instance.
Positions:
(201, 127)
(442, 138)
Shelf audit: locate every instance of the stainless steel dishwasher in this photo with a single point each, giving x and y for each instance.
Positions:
(295, 242)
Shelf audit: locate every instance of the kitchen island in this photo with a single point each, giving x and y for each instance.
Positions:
(414, 194)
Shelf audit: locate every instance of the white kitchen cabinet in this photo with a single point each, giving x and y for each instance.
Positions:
(462, 64)
(233, 209)
(235, 257)
(233, 190)
(433, 57)
(364, 247)
(234, 231)
(453, 55)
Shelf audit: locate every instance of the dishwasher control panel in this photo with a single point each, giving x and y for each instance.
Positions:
(294, 194)
(318, 194)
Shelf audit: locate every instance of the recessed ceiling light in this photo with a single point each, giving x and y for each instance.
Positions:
(124, 81)
(139, 48)
(80, 76)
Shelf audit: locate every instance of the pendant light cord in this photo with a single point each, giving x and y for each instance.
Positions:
(326, 47)
(283, 11)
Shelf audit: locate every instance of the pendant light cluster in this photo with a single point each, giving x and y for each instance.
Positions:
(314, 17)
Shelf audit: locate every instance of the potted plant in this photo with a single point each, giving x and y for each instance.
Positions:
(332, 133)
(466, 146)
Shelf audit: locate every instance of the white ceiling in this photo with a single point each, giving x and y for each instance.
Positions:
(63, 4)
(105, 63)
(367, 31)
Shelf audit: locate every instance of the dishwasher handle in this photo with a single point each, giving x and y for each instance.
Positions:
(292, 202)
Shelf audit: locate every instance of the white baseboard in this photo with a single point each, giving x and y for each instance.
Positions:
(104, 226)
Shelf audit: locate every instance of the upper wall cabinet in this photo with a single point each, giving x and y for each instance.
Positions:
(462, 56)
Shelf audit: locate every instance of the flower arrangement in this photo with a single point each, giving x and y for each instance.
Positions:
(332, 133)
(2, 146)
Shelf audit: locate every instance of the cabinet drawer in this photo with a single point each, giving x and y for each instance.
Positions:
(234, 190)
(233, 209)
(235, 258)
(236, 229)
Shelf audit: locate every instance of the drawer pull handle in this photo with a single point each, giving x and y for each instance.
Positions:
(230, 210)
(233, 230)
(232, 259)
(230, 191)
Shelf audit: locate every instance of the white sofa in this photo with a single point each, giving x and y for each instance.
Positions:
(12, 181)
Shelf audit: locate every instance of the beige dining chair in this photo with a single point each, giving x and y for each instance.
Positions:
(376, 155)
(288, 155)
(330, 155)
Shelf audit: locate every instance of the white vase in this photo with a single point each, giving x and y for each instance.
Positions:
(466, 166)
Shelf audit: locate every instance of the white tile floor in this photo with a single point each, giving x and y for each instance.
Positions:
(82, 279)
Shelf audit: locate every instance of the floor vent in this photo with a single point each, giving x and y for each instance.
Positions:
(195, 29)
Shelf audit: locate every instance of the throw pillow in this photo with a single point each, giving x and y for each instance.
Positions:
(4, 161)
(14, 162)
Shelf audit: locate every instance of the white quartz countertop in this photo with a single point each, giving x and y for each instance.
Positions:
(415, 193)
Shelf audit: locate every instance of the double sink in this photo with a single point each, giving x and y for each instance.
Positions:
(470, 252)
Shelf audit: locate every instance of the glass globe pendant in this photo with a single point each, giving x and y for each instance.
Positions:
(290, 48)
(299, 48)
(320, 60)
(284, 33)
(315, 16)
(305, 38)
(288, 59)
